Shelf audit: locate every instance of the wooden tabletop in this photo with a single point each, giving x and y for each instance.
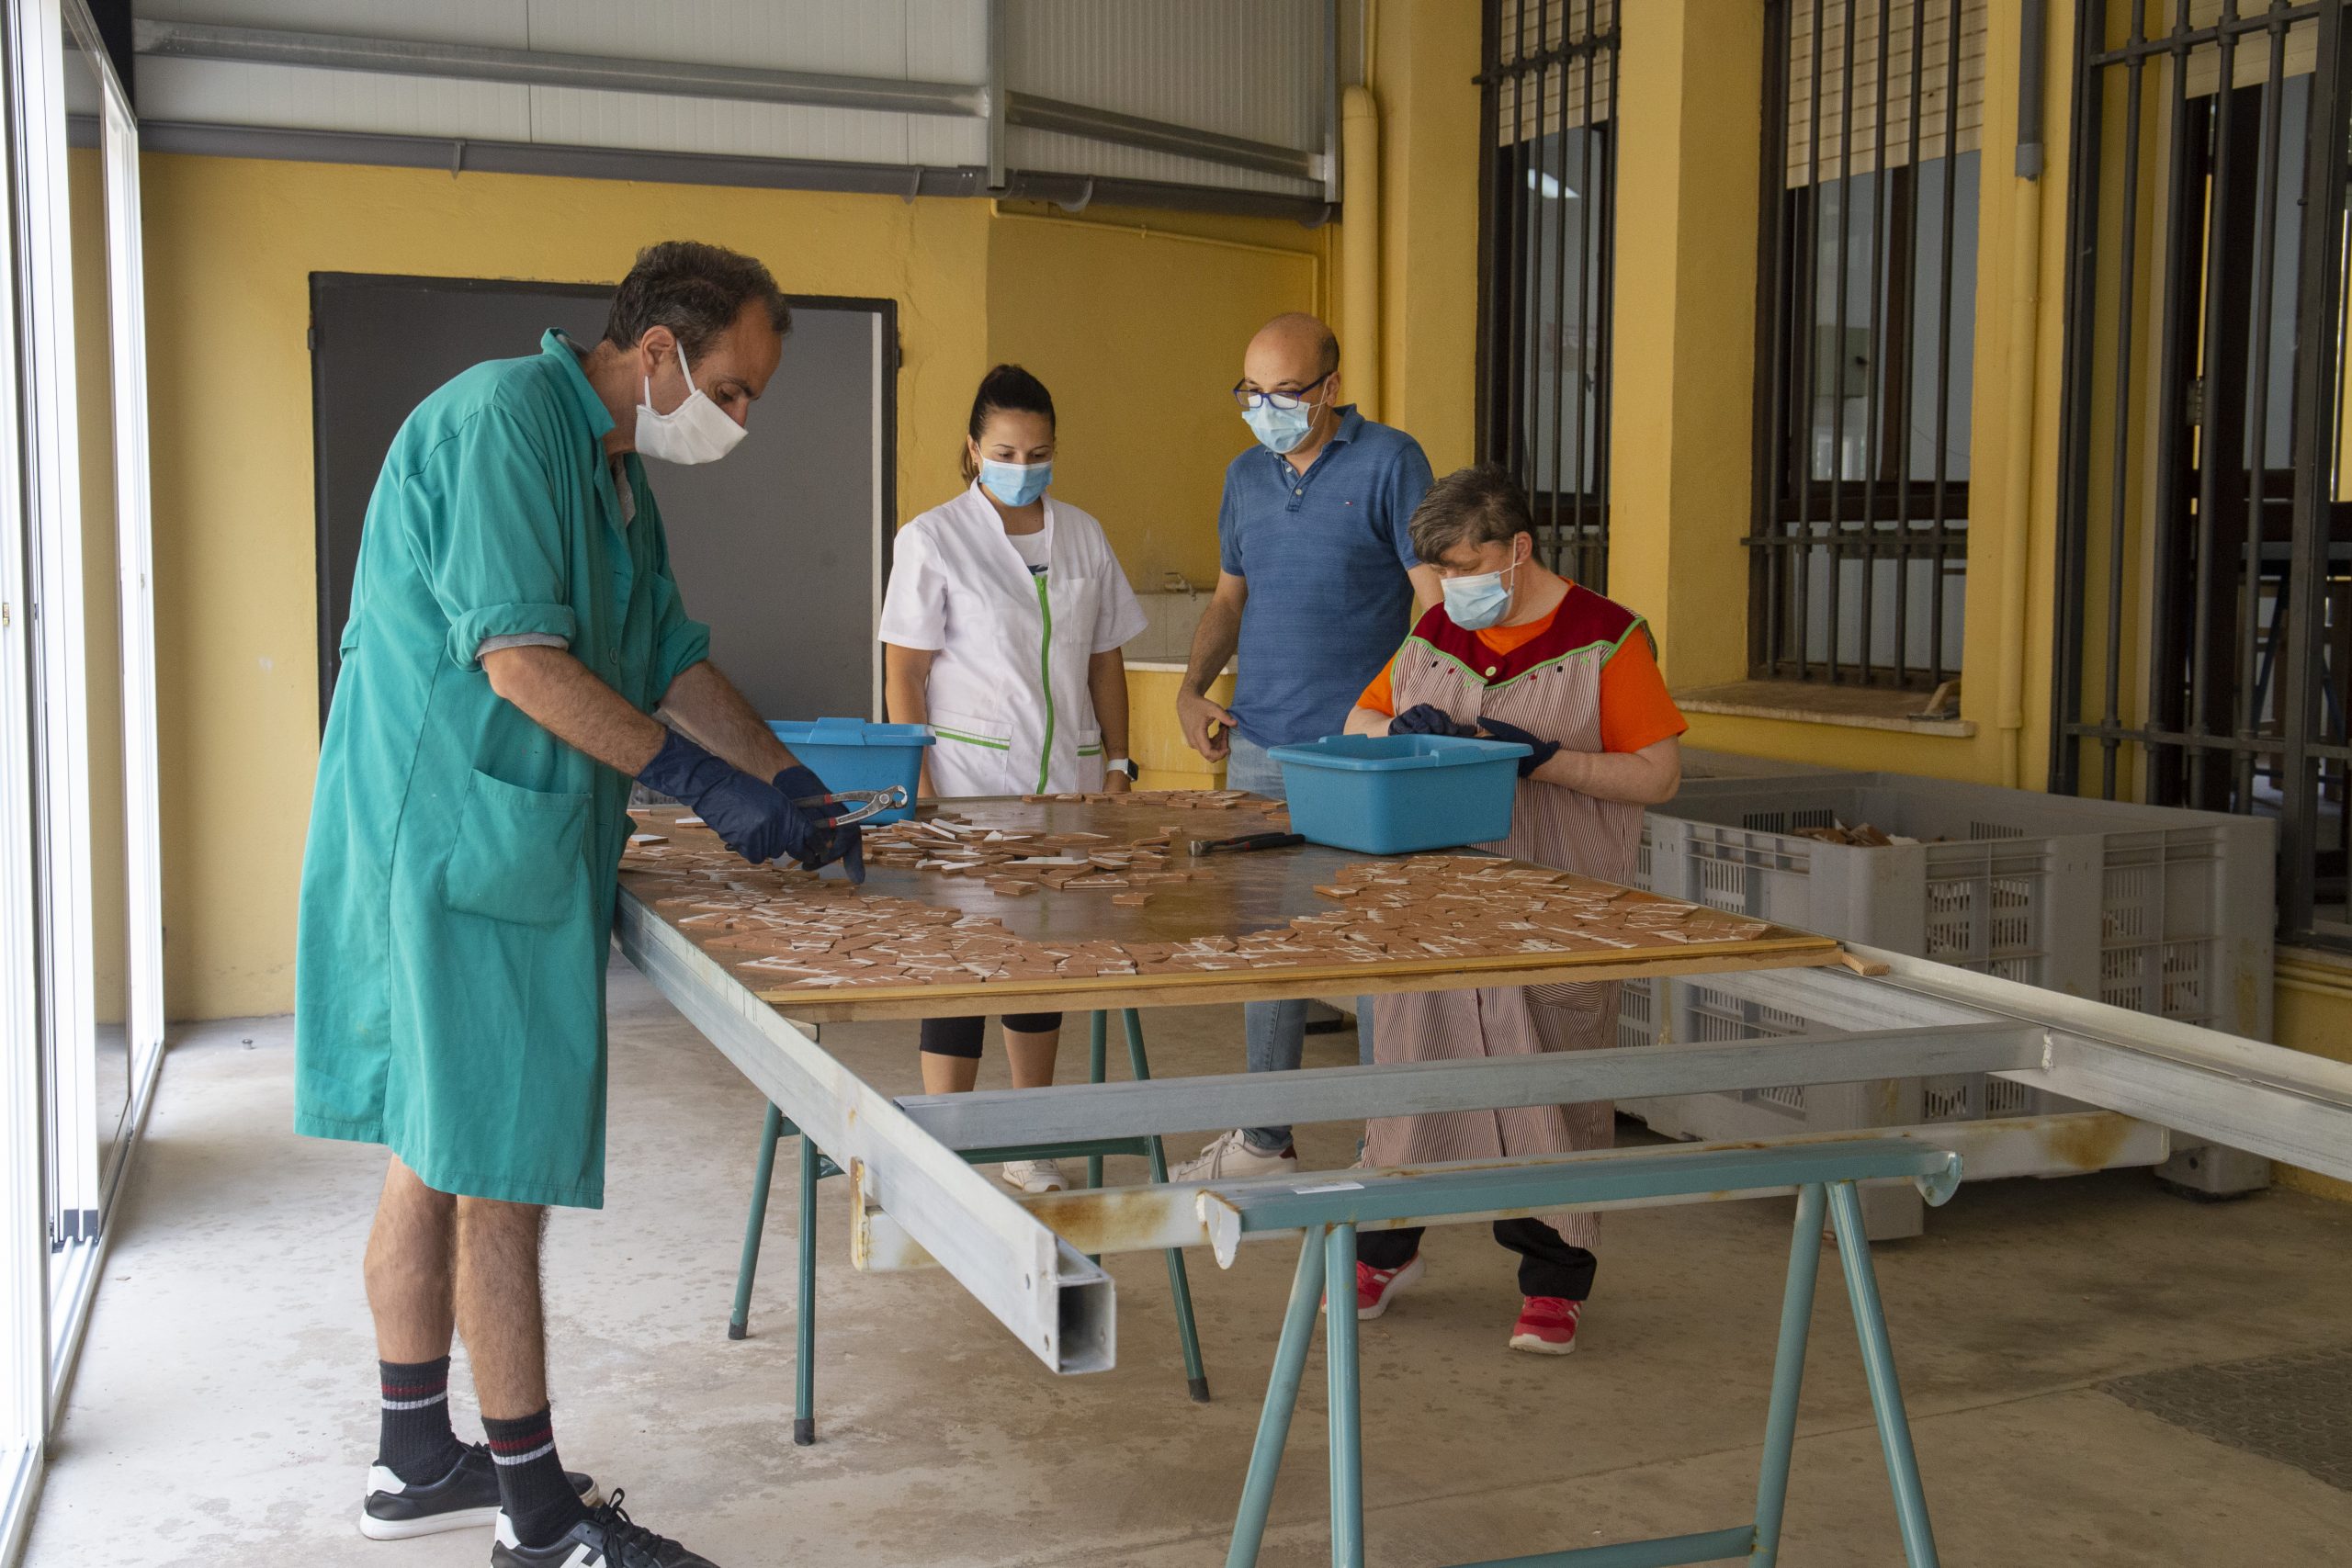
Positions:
(755, 920)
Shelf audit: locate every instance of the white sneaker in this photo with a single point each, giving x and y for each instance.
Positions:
(1034, 1174)
(1229, 1157)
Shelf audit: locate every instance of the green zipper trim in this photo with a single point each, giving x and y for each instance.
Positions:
(971, 739)
(1045, 681)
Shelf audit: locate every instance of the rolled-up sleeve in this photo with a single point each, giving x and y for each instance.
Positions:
(680, 642)
(492, 555)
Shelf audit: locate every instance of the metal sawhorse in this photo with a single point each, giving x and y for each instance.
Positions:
(1823, 1176)
(814, 1167)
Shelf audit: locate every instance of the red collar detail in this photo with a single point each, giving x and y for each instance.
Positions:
(1582, 619)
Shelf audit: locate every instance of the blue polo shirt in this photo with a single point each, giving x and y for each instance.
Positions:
(1325, 553)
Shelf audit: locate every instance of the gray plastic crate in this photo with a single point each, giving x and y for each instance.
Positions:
(2147, 907)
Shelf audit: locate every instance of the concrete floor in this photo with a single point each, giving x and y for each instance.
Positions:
(224, 1411)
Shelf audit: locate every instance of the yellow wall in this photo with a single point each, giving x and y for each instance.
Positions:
(231, 244)
(1138, 328)
(1422, 59)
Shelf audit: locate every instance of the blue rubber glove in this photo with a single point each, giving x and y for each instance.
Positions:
(1542, 751)
(751, 816)
(1428, 719)
(846, 845)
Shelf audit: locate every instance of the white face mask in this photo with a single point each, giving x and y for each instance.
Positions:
(696, 431)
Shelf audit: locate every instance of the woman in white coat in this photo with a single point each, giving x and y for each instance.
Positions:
(1001, 631)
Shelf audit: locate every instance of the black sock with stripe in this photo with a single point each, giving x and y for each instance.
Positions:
(415, 1442)
(531, 1483)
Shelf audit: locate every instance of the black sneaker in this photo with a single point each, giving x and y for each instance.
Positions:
(464, 1499)
(607, 1537)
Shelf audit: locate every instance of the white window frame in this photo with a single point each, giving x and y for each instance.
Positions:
(62, 832)
(24, 1209)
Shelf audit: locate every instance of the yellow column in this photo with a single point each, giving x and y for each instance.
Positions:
(1425, 62)
(1690, 87)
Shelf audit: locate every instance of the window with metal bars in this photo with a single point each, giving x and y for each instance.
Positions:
(1547, 223)
(2204, 593)
(1866, 332)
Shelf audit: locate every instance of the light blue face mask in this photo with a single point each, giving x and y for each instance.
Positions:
(1017, 484)
(1477, 602)
(1279, 430)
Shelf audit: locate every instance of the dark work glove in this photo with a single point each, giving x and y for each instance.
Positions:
(751, 817)
(1541, 752)
(826, 844)
(1427, 719)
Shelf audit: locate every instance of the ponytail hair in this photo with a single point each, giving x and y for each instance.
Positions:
(1007, 388)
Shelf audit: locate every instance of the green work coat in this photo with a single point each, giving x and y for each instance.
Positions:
(458, 887)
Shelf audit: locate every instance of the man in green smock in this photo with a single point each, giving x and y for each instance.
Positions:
(514, 624)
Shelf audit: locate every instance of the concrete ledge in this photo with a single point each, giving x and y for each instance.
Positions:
(1806, 702)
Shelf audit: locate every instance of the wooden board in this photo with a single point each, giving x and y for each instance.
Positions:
(1286, 927)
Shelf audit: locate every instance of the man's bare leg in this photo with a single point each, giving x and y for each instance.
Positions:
(498, 1304)
(409, 1272)
(410, 1268)
(500, 1316)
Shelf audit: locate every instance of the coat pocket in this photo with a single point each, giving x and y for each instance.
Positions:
(968, 729)
(517, 857)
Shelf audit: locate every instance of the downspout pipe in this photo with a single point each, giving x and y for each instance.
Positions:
(1360, 249)
(2025, 305)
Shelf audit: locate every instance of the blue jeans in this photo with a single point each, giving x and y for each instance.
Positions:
(1275, 1032)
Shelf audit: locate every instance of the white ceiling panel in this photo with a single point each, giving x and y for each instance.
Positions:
(1250, 68)
(581, 117)
(1246, 68)
(868, 38)
(226, 93)
(502, 24)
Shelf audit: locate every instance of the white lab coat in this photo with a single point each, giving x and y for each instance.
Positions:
(1008, 698)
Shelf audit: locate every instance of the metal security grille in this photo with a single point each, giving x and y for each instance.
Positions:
(1547, 225)
(2205, 551)
(1866, 326)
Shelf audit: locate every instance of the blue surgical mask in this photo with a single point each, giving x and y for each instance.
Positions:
(1279, 430)
(1475, 603)
(1016, 484)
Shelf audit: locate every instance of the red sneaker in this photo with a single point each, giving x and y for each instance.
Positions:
(1547, 1325)
(1376, 1288)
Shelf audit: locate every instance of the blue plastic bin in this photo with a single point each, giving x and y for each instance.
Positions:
(1393, 795)
(849, 753)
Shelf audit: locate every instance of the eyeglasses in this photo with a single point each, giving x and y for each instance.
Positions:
(1285, 401)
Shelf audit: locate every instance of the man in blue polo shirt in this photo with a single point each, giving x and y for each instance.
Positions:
(1318, 583)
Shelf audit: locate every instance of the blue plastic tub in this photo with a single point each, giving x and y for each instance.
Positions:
(1393, 795)
(849, 753)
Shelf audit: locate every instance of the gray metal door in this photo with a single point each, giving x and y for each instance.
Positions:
(782, 548)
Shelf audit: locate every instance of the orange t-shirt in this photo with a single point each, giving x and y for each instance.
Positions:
(1636, 710)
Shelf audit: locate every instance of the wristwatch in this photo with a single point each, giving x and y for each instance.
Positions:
(1122, 765)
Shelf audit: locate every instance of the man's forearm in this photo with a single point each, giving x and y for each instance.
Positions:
(1214, 641)
(710, 710)
(564, 697)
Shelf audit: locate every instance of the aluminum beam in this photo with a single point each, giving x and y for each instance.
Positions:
(1030, 112)
(1057, 1302)
(1154, 1217)
(1004, 1118)
(1669, 1174)
(2280, 1104)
